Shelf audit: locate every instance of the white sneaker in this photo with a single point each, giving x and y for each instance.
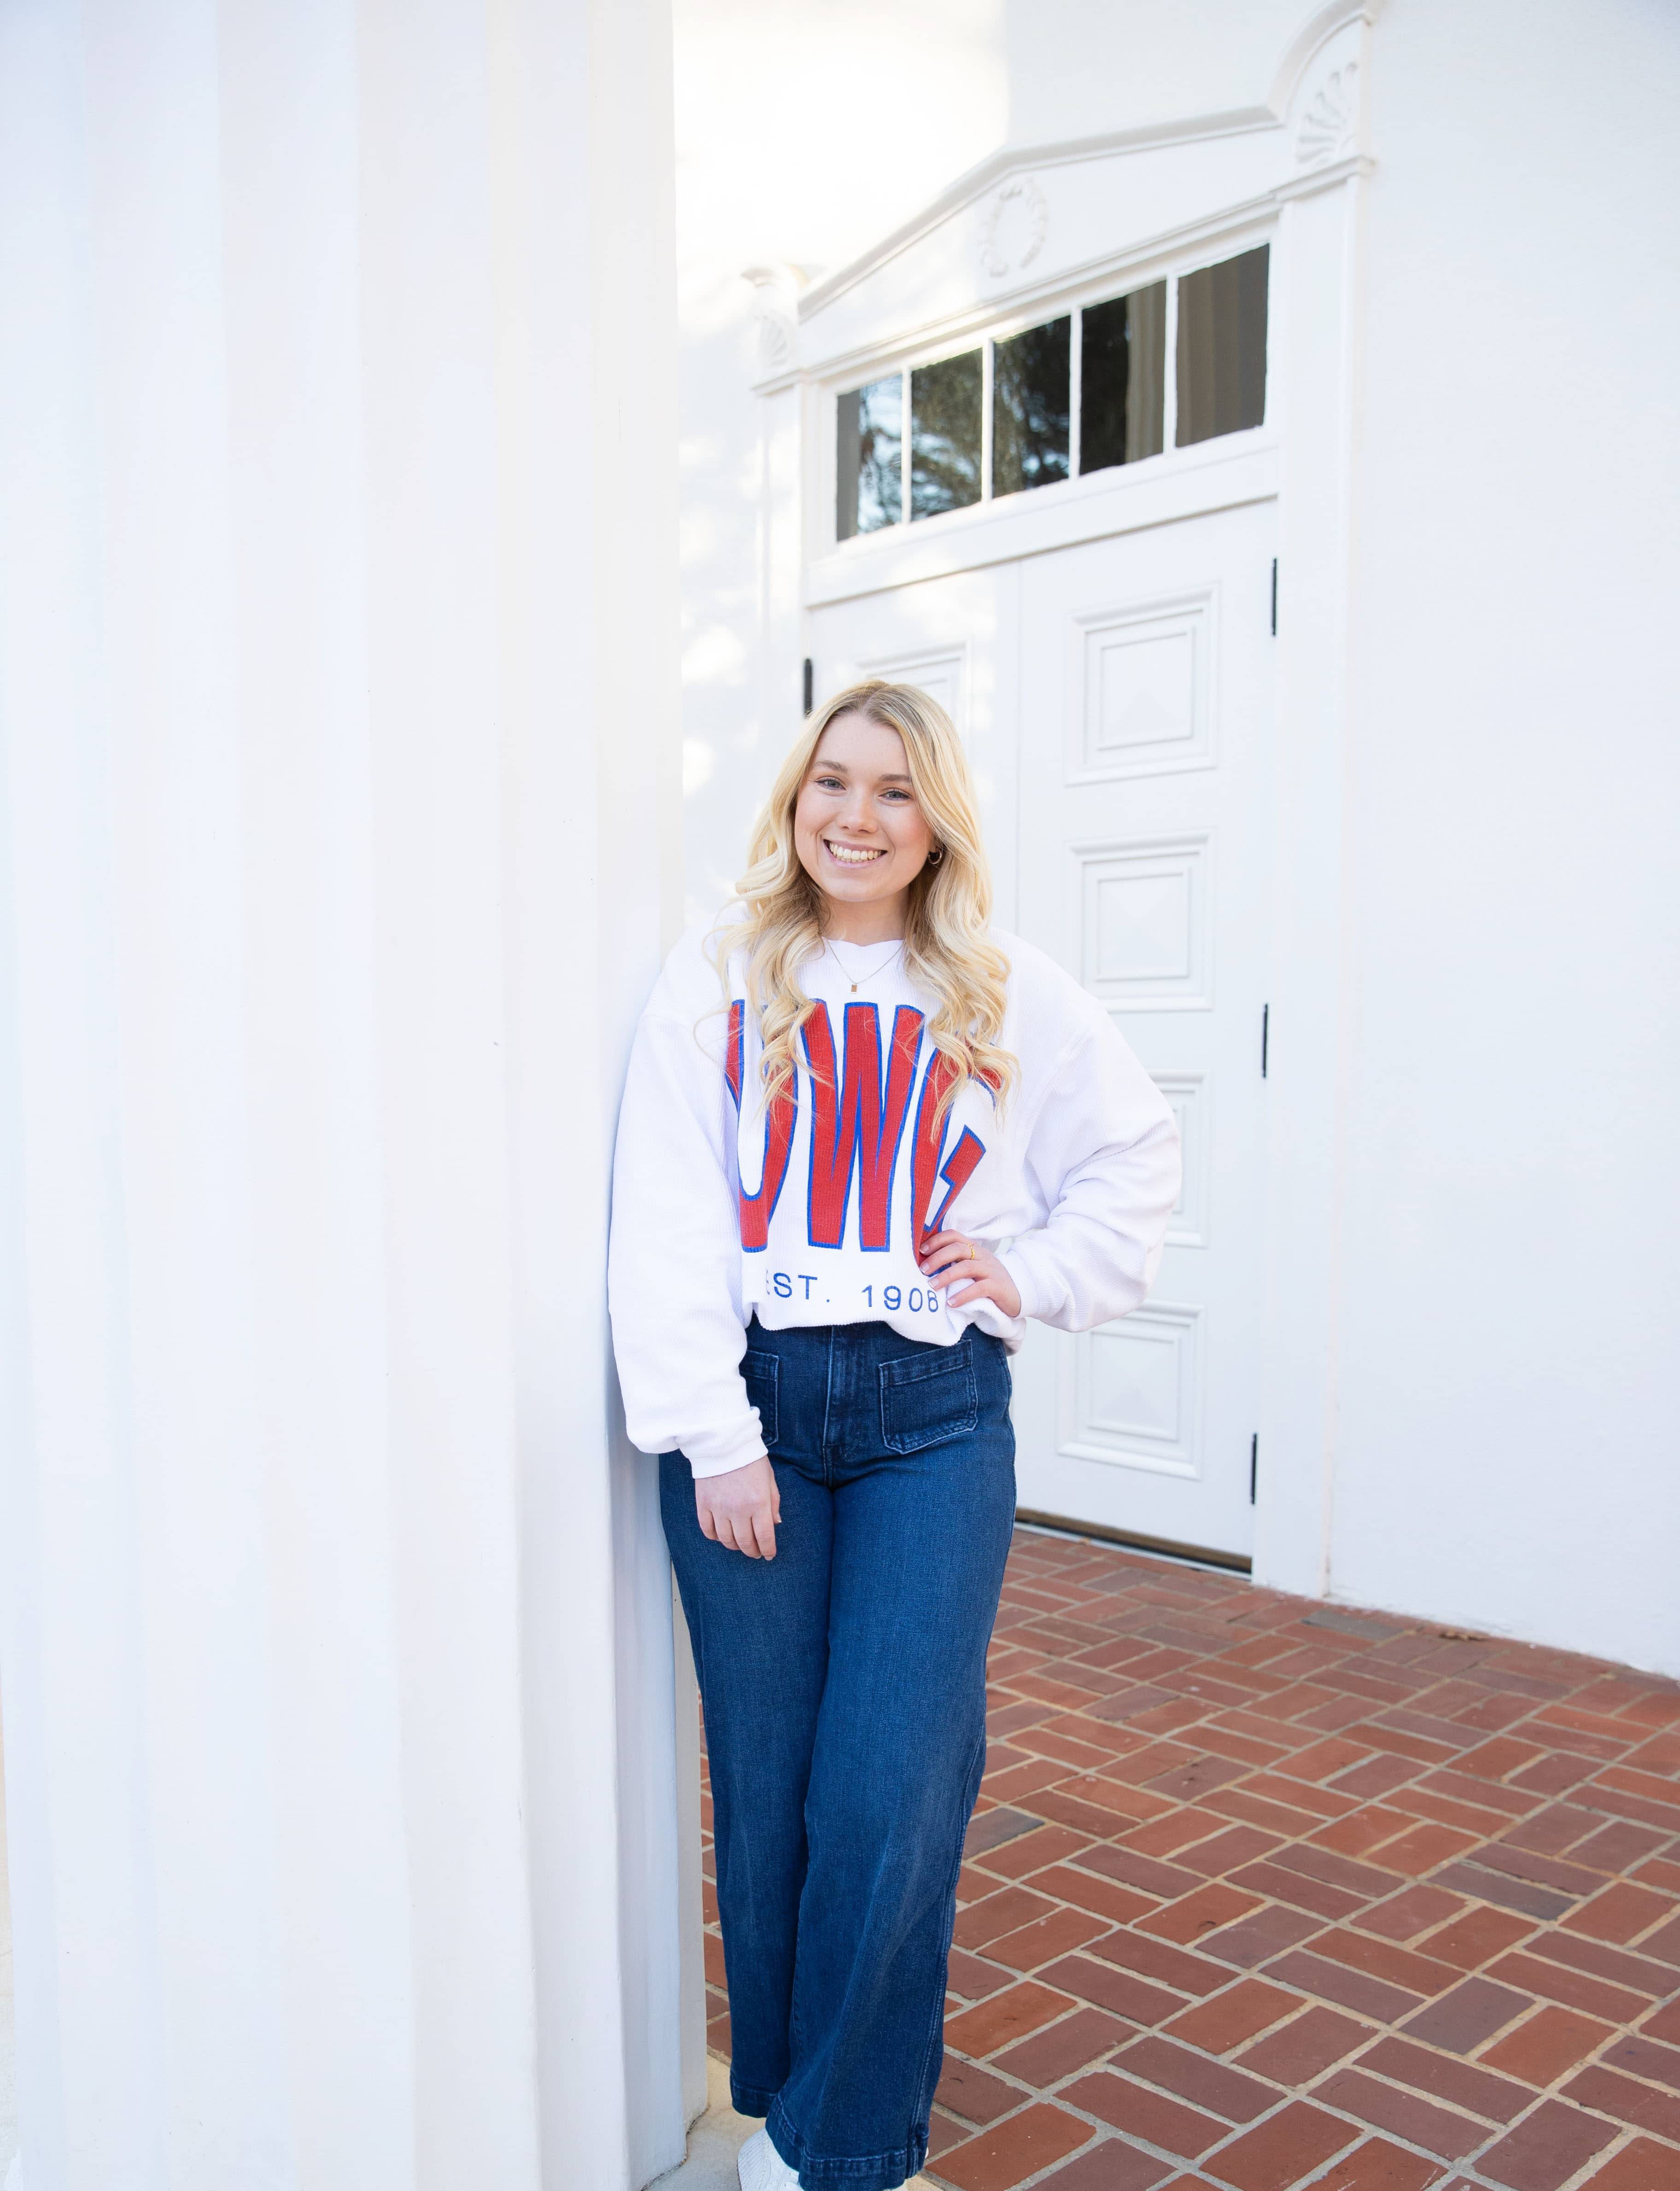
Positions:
(762, 2168)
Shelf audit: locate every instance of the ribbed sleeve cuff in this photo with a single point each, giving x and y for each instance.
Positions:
(1020, 1268)
(716, 1455)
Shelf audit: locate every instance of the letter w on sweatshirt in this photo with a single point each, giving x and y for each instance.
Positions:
(852, 1128)
(857, 1129)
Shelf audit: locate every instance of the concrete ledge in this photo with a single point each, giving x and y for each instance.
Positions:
(715, 2141)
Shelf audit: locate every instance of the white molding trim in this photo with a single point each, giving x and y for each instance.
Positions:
(1317, 360)
(1180, 483)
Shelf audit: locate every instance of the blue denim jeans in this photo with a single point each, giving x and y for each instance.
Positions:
(844, 1683)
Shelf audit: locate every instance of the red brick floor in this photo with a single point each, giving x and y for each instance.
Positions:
(1262, 1892)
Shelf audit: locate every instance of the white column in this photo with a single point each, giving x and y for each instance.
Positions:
(336, 726)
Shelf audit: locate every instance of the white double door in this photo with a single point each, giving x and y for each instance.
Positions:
(1117, 698)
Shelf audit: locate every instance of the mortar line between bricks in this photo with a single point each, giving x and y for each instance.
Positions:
(1588, 2169)
(1499, 2132)
(1236, 2133)
(1026, 2182)
(1633, 2077)
(1103, 2129)
(1138, 2144)
(1541, 2091)
(1582, 2176)
(1489, 2139)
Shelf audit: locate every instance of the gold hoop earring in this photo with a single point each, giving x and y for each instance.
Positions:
(935, 856)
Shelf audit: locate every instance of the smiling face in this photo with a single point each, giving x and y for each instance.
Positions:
(858, 831)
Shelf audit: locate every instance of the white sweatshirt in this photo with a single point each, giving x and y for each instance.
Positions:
(805, 1217)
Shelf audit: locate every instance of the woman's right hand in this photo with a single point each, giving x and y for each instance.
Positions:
(741, 1508)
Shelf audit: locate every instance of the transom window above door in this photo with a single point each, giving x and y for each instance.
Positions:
(1079, 394)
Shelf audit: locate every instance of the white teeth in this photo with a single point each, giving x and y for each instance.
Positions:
(852, 856)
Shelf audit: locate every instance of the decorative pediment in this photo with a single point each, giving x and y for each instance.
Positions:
(1028, 221)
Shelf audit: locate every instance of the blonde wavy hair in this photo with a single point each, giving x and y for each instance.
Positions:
(947, 950)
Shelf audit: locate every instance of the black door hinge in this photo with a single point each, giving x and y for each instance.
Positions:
(1274, 597)
(810, 684)
(1254, 1465)
(1265, 1038)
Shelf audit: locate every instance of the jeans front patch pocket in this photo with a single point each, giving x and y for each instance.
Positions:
(759, 1373)
(928, 1397)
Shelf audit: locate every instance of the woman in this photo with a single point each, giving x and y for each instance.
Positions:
(864, 1138)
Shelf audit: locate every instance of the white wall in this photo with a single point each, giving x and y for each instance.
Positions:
(1509, 1441)
(336, 685)
(1078, 68)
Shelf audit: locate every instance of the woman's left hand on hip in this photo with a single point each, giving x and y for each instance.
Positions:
(969, 1271)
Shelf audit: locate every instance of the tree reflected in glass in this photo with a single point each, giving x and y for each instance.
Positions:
(945, 434)
(870, 471)
(1031, 399)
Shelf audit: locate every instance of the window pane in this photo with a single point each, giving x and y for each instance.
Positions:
(1123, 352)
(871, 444)
(1221, 348)
(945, 434)
(1030, 400)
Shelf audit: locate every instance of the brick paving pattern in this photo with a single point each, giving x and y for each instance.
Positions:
(1263, 1892)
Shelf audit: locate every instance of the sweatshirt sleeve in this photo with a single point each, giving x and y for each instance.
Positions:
(1102, 1159)
(674, 1260)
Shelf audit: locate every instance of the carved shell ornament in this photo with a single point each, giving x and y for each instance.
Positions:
(1012, 227)
(777, 302)
(775, 341)
(1327, 128)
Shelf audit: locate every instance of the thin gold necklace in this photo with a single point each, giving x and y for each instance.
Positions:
(872, 977)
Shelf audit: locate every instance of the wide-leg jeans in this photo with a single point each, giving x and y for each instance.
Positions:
(844, 1689)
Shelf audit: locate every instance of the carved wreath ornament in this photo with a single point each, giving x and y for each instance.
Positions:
(1327, 127)
(1012, 227)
